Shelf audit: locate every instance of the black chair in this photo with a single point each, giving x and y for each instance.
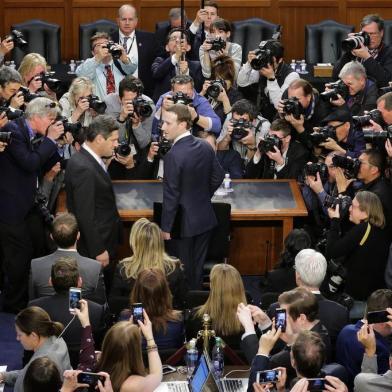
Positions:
(323, 41)
(388, 32)
(42, 38)
(87, 30)
(250, 32)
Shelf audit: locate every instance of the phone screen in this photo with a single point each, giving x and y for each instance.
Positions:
(75, 295)
(137, 312)
(267, 376)
(280, 319)
(316, 384)
(90, 378)
(380, 316)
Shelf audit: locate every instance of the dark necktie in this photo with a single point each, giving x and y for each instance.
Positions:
(110, 85)
(125, 40)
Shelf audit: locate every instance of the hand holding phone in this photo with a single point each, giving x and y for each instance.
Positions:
(280, 319)
(75, 295)
(90, 379)
(267, 376)
(137, 312)
(316, 384)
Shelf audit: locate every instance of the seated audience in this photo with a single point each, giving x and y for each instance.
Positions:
(37, 332)
(65, 234)
(148, 251)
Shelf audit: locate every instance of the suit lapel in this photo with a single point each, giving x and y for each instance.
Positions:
(98, 168)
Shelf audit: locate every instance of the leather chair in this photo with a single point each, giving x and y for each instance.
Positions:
(388, 32)
(323, 41)
(87, 30)
(42, 38)
(250, 32)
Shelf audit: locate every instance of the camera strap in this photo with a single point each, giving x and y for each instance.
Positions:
(366, 235)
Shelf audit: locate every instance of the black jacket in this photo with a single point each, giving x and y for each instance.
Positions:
(365, 99)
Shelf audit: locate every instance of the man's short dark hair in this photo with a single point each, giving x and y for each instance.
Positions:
(280, 124)
(373, 18)
(244, 106)
(379, 300)
(130, 83)
(178, 29)
(101, 125)
(307, 88)
(65, 230)
(181, 79)
(209, 3)
(182, 113)
(64, 274)
(9, 75)
(300, 301)
(376, 158)
(309, 354)
(387, 98)
(221, 24)
(276, 48)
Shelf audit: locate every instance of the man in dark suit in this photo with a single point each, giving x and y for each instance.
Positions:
(64, 275)
(65, 233)
(90, 195)
(192, 174)
(285, 159)
(33, 144)
(140, 46)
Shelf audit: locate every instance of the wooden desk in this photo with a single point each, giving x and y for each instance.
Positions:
(262, 216)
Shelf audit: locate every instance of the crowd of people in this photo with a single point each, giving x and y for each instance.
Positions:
(179, 106)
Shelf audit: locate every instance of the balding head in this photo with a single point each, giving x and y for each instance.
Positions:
(127, 19)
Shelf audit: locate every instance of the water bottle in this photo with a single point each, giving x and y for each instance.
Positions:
(227, 183)
(12, 64)
(72, 66)
(191, 357)
(293, 65)
(303, 67)
(218, 358)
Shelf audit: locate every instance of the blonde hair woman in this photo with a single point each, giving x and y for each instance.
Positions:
(148, 252)
(32, 65)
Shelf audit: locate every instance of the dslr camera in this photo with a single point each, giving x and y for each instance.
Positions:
(383, 136)
(374, 115)
(164, 145)
(336, 88)
(355, 41)
(215, 88)
(142, 107)
(350, 166)
(321, 136)
(292, 106)
(384, 90)
(263, 57)
(96, 104)
(52, 83)
(181, 98)
(113, 49)
(311, 169)
(217, 44)
(27, 95)
(240, 128)
(5, 137)
(269, 143)
(11, 114)
(343, 202)
(17, 38)
(123, 149)
(73, 128)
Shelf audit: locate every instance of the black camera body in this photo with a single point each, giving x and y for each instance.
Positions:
(263, 58)
(96, 104)
(355, 41)
(343, 202)
(269, 143)
(374, 115)
(142, 107)
(181, 98)
(164, 146)
(311, 169)
(11, 114)
(72, 128)
(374, 137)
(215, 88)
(338, 87)
(27, 95)
(350, 166)
(384, 90)
(322, 135)
(292, 106)
(123, 149)
(240, 128)
(40, 203)
(113, 49)
(5, 137)
(17, 38)
(52, 83)
(217, 44)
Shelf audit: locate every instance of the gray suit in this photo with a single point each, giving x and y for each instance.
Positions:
(369, 381)
(90, 270)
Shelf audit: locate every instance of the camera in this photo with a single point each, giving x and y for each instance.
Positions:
(181, 98)
(11, 114)
(72, 128)
(240, 128)
(52, 83)
(336, 88)
(350, 166)
(263, 57)
(343, 202)
(355, 41)
(5, 137)
(142, 107)
(269, 143)
(384, 90)
(292, 106)
(322, 135)
(374, 115)
(311, 169)
(372, 137)
(27, 95)
(40, 203)
(123, 149)
(113, 49)
(17, 38)
(90, 378)
(217, 44)
(215, 88)
(96, 104)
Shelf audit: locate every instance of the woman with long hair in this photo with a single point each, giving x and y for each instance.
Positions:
(148, 252)
(38, 333)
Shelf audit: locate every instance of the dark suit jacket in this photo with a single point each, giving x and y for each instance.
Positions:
(187, 192)
(91, 199)
(297, 156)
(90, 270)
(163, 70)
(20, 165)
(147, 49)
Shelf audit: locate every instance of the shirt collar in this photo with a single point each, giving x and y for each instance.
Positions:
(94, 154)
(31, 130)
(185, 134)
(121, 35)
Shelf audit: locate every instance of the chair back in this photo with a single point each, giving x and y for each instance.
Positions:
(388, 32)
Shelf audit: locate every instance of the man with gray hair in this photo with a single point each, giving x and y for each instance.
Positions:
(362, 93)
(33, 146)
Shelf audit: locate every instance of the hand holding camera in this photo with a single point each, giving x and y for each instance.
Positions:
(82, 105)
(3, 119)
(56, 130)
(17, 100)
(342, 182)
(71, 382)
(314, 183)
(268, 71)
(6, 45)
(367, 338)
(333, 211)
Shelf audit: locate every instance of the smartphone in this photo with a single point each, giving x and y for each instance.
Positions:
(380, 316)
(280, 319)
(75, 295)
(90, 378)
(137, 312)
(167, 369)
(267, 376)
(316, 384)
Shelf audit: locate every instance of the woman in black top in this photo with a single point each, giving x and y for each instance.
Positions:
(364, 248)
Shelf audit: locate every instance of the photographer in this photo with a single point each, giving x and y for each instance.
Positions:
(217, 44)
(10, 83)
(364, 248)
(182, 91)
(371, 51)
(107, 67)
(221, 89)
(277, 156)
(267, 83)
(355, 90)
(242, 129)
(33, 144)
